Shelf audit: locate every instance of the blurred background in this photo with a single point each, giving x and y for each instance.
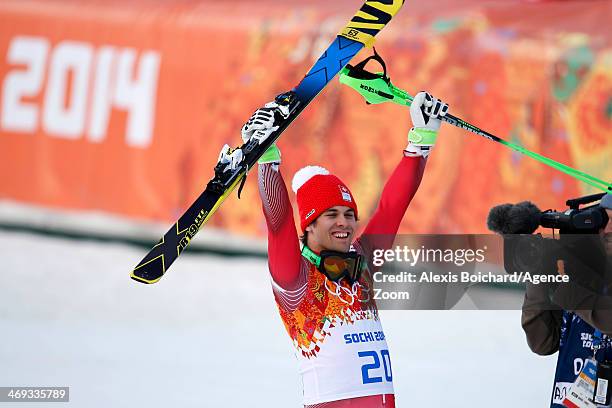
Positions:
(112, 114)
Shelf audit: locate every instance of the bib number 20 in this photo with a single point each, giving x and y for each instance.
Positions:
(370, 372)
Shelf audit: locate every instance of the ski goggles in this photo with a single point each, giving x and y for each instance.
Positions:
(336, 265)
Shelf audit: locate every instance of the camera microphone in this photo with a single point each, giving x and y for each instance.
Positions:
(521, 218)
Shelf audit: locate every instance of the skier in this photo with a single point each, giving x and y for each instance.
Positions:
(324, 290)
(578, 335)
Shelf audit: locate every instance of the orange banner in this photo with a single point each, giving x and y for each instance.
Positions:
(124, 106)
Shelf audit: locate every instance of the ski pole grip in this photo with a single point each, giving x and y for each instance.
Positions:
(360, 67)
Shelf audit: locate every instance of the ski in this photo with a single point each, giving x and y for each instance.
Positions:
(372, 17)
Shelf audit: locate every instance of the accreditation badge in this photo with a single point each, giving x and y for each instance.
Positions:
(603, 390)
(581, 392)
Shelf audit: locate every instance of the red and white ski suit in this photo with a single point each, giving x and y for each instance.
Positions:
(342, 353)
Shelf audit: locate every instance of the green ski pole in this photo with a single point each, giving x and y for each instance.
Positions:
(377, 88)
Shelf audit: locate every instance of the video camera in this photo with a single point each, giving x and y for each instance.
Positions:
(578, 245)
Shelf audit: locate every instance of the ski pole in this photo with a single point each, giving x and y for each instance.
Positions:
(377, 88)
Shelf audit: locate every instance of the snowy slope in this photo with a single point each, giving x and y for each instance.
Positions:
(209, 334)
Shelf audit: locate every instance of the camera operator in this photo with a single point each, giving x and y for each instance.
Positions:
(573, 318)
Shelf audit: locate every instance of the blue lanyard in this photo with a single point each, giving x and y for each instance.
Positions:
(597, 339)
(599, 342)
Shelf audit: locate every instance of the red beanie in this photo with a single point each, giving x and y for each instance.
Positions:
(317, 191)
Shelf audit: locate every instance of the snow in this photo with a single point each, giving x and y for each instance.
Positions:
(208, 334)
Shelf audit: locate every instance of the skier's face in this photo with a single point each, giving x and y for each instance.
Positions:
(333, 230)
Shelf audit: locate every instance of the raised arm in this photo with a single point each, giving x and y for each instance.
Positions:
(284, 256)
(395, 198)
(401, 187)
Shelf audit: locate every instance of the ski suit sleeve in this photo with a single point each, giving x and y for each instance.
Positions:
(541, 323)
(395, 198)
(284, 257)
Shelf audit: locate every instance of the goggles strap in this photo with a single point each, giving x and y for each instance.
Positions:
(311, 256)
